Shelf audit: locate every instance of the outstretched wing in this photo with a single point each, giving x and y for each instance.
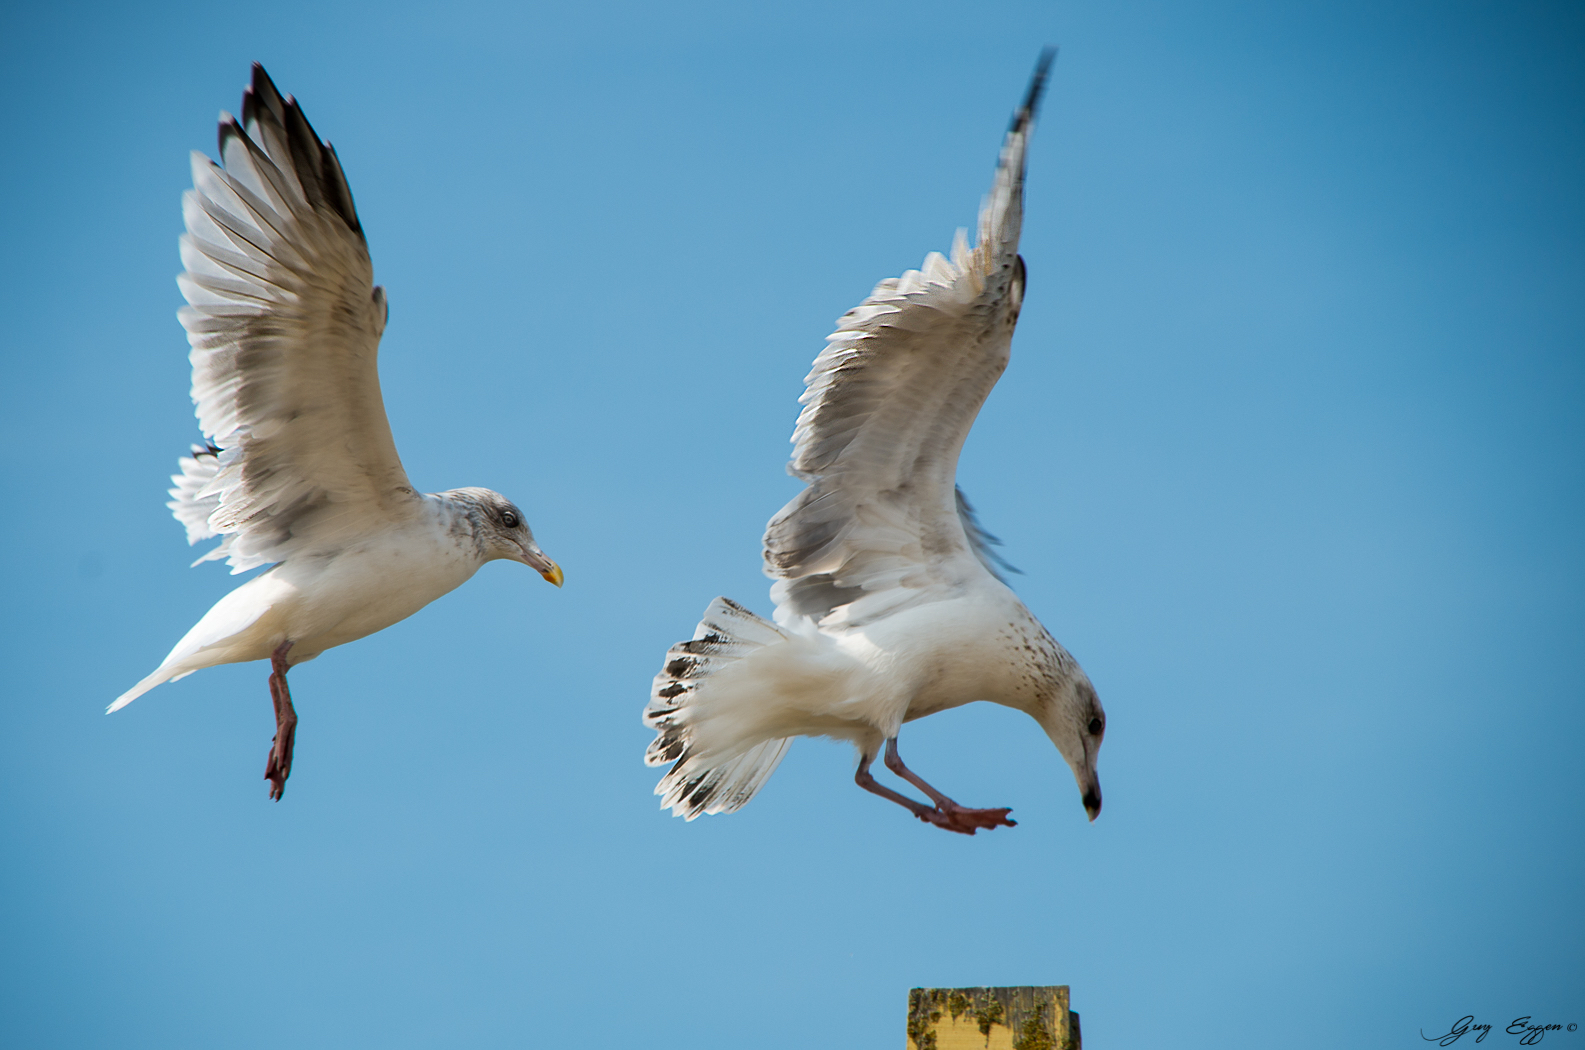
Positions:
(886, 410)
(284, 323)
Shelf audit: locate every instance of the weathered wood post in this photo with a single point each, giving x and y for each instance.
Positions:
(992, 1019)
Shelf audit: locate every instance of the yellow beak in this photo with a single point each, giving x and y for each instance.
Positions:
(535, 559)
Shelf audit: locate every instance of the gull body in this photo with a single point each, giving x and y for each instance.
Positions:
(319, 601)
(889, 603)
(299, 471)
(863, 683)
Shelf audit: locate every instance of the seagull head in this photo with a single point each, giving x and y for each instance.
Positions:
(1072, 717)
(501, 531)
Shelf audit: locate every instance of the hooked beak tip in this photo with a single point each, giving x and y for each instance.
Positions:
(1092, 803)
(536, 559)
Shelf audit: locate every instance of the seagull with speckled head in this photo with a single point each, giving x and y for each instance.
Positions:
(889, 603)
(299, 470)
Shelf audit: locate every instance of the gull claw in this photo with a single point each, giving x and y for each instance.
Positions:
(279, 766)
(966, 821)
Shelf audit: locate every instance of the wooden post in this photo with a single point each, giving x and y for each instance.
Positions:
(992, 1019)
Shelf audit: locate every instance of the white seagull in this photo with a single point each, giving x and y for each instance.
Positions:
(299, 468)
(888, 603)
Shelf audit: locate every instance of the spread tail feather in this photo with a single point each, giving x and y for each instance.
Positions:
(719, 779)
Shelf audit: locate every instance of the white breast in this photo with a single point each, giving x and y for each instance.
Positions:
(370, 586)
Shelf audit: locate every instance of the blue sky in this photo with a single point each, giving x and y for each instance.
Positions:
(1289, 453)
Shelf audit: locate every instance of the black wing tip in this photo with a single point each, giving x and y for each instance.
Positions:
(1037, 88)
(314, 158)
(260, 81)
(261, 90)
(229, 128)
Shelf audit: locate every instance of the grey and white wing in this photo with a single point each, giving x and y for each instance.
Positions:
(887, 407)
(284, 322)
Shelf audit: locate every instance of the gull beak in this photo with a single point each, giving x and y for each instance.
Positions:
(1092, 799)
(535, 559)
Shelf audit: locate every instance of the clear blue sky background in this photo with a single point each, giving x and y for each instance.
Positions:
(1290, 452)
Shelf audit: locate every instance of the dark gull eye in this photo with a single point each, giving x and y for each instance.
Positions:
(509, 519)
(1095, 726)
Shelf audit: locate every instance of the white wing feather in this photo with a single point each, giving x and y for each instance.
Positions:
(887, 407)
(284, 323)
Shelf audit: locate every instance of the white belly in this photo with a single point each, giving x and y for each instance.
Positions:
(940, 655)
(365, 590)
(318, 602)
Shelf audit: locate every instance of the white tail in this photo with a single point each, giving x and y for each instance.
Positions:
(720, 778)
(159, 677)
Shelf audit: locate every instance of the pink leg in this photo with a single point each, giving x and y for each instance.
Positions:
(280, 764)
(930, 816)
(946, 814)
(960, 818)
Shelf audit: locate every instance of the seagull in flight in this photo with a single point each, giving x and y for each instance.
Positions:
(889, 603)
(299, 470)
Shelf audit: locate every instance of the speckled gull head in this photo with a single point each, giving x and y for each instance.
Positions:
(499, 530)
(1070, 713)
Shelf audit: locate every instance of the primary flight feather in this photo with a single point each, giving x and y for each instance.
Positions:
(299, 470)
(888, 604)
